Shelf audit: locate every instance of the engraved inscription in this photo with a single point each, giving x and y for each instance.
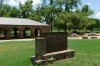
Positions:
(55, 41)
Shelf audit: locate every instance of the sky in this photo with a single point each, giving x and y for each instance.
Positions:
(16, 2)
(94, 5)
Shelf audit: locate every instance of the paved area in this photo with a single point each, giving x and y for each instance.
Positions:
(17, 40)
(85, 35)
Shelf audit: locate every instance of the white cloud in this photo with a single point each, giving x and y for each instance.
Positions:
(88, 4)
(16, 2)
(36, 1)
(97, 15)
(11, 2)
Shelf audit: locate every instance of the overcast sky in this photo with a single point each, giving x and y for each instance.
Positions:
(94, 4)
(16, 2)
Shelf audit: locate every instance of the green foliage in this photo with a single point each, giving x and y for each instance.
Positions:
(14, 12)
(25, 9)
(35, 16)
(87, 10)
(94, 24)
(73, 19)
(61, 19)
(5, 10)
(69, 4)
(97, 23)
(57, 13)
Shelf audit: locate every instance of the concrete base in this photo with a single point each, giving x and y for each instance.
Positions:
(54, 56)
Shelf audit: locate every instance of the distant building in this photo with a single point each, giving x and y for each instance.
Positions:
(21, 28)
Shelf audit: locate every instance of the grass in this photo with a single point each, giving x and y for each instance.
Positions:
(19, 53)
(87, 53)
(16, 53)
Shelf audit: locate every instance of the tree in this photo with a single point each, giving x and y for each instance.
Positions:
(58, 13)
(87, 13)
(92, 25)
(35, 16)
(97, 23)
(87, 10)
(59, 21)
(5, 10)
(63, 20)
(69, 5)
(49, 11)
(15, 12)
(1, 3)
(25, 9)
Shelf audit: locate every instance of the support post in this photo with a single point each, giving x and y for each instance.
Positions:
(15, 32)
(40, 50)
(32, 33)
(7, 33)
(21, 34)
(40, 46)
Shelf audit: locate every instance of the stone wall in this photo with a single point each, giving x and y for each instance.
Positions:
(21, 29)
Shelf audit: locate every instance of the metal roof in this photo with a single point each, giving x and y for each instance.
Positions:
(19, 21)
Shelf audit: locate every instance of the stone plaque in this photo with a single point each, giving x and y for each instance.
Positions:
(55, 41)
(51, 47)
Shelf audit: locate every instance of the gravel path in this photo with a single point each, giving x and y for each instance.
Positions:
(17, 40)
(34, 39)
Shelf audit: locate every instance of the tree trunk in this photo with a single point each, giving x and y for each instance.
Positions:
(86, 30)
(65, 26)
(69, 29)
(91, 30)
(75, 29)
(58, 29)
